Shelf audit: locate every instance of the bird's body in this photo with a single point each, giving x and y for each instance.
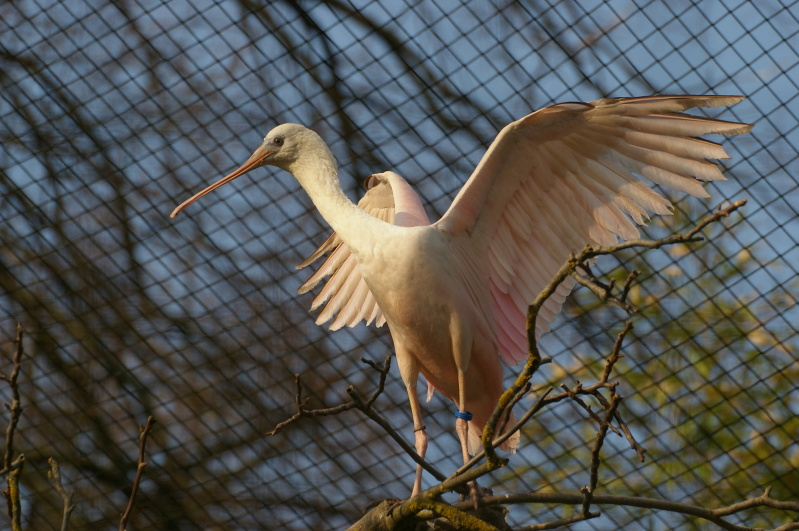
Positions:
(430, 296)
(454, 293)
(429, 314)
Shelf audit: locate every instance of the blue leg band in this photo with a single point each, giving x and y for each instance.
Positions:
(465, 416)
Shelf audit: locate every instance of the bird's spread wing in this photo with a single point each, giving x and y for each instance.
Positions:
(569, 175)
(388, 197)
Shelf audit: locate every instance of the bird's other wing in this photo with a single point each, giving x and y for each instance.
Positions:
(389, 198)
(569, 175)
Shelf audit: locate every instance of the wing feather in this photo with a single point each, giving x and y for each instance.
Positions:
(347, 296)
(570, 175)
(681, 165)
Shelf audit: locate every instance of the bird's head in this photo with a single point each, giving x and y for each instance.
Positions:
(287, 146)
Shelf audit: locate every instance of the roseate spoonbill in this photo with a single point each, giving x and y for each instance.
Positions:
(455, 293)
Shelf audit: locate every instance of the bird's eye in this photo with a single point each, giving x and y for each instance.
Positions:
(278, 141)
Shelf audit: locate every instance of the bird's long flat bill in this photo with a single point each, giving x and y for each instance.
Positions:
(256, 160)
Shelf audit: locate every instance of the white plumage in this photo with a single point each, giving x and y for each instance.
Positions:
(455, 293)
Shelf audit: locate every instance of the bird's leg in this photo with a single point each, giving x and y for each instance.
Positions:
(462, 428)
(463, 417)
(409, 371)
(419, 432)
(461, 336)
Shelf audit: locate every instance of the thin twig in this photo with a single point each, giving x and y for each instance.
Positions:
(302, 412)
(11, 466)
(555, 524)
(601, 434)
(54, 475)
(15, 408)
(625, 291)
(516, 400)
(362, 405)
(602, 290)
(615, 354)
(144, 432)
(577, 400)
(686, 237)
(381, 384)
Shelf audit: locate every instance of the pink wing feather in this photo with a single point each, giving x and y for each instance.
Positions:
(388, 197)
(566, 176)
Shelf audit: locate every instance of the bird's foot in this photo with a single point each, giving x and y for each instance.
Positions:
(394, 503)
(475, 493)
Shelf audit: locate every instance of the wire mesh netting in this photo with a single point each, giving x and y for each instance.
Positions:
(111, 113)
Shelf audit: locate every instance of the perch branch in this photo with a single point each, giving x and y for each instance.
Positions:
(453, 483)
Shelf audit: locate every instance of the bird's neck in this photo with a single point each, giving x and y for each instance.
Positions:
(354, 226)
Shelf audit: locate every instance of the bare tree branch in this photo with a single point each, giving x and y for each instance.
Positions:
(144, 432)
(54, 475)
(615, 400)
(364, 406)
(11, 466)
(334, 410)
(581, 260)
(554, 524)
(715, 516)
(605, 291)
(15, 407)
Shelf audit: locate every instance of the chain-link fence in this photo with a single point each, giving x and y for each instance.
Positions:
(113, 112)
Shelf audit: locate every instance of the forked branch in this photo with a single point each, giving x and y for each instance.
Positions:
(364, 406)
